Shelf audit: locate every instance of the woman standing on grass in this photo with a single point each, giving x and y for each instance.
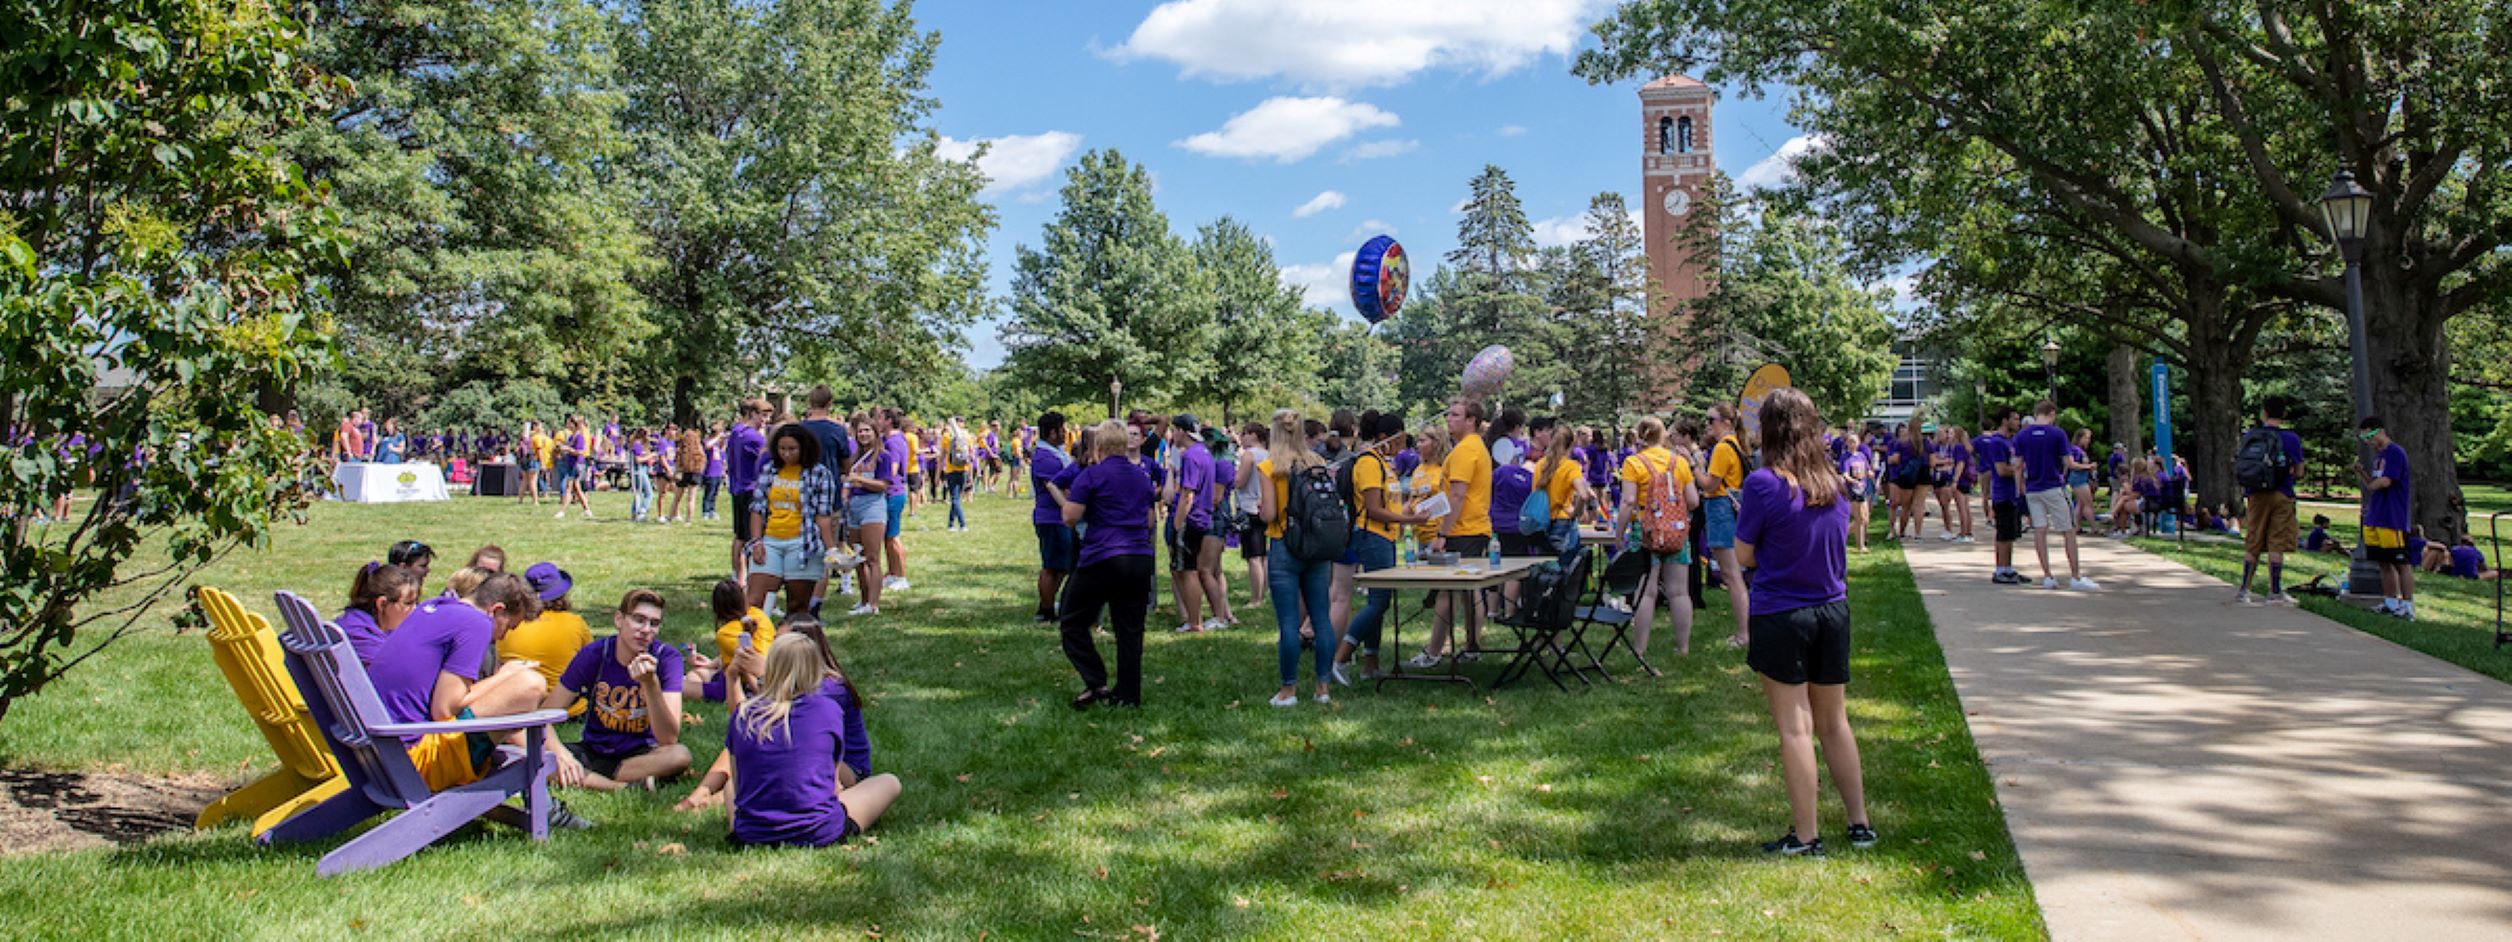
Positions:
(1252, 452)
(1298, 586)
(575, 457)
(640, 476)
(1111, 501)
(712, 474)
(1653, 466)
(528, 463)
(1790, 530)
(795, 518)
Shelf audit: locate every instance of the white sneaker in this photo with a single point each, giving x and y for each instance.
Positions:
(1965, 538)
(1188, 629)
(1946, 537)
(860, 610)
(846, 584)
(1288, 700)
(893, 584)
(1215, 624)
(2283, 599)
(561, 515)
(2082, 584)
(1339, 677)
(1322, 698)
(1423, 661)
(2049, 582)
(2245, 598)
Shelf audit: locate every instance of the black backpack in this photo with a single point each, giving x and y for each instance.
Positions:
(1343, 470)
(1316, 523)
(2260, 464)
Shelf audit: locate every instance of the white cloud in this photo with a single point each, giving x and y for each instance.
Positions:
(1371, 229)
(1462, 203)
(1563, 230)
(1512, 130)
(1337, 43)
(1288, 130)
(1015, 162)
(1328, 284)
(1780, 167)
(1318, 204)
(1387, 148)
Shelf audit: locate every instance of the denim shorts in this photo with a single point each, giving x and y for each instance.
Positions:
(1057, 547)
(898, 515)
(790, 560)
(1719, 522)
(863, 510)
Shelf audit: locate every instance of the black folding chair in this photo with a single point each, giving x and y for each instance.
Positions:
(1621, 580)
(1545, 615)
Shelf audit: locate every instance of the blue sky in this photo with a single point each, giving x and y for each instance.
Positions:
(1318, 123)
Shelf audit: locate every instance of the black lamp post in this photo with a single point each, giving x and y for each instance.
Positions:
(2347, 208)
(2049, 365)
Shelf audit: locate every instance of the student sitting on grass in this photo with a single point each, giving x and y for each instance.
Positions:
(379, 598)
(489, 558)
(2469, 562)
(2319, 540)
(734, 617)
(784, 743)
(854, 754)
(428, 670)
(632, 733)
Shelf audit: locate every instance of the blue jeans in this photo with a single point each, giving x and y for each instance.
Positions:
(1375, 553)
(956, 482)
(1292, 585)
(643, 503)
(714, 483)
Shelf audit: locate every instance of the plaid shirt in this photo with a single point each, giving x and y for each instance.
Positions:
(819, 499)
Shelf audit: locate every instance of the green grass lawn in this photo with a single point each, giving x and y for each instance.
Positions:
(2455, 618)
(1630, 811)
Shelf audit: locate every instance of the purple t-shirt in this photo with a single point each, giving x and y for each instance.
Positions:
(1045, 463)
(1992, 450)
(2387, 507)
(365, 636)
(616, 722)
(741, 458)
(2467, 562)
(855, 747)
(1800, 553)
(894, 450)
(1509, 489)
(2043, 450)
(715, 460)
(1153, 469)
(445, 636)
(876, 463)
(1195, 474)
(1118, 519)
(1961, 455)
(786, 792)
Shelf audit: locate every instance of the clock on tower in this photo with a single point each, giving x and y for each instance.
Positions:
(1675, 167)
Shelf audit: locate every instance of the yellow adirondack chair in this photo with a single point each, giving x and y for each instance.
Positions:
(248, 653)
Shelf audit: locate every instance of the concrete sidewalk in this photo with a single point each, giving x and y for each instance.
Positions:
(2177, 767)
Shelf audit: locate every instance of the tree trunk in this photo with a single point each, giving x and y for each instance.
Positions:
(2215, 420)
(685, 400)
(2127, 403)
(2411, 392)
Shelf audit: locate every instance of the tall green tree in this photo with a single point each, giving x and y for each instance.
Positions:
(1359, 368)
(153, 245)
(2127, 115)
(1788, 296)
(788, 182)
(1495, 295)
(1109, 295)
(1601, 295)
(489, 242)
(1258, 347)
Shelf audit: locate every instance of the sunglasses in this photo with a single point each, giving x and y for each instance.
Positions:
(2368, 435)
(407, 551)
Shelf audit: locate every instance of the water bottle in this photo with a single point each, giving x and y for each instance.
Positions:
(1495, 554)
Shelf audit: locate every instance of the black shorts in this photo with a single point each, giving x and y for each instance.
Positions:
(1186, 547)
(1802, 646)
(1518, 544)
(1252, 540)
(2010, 519)
(2385, 555)
(1470, 547)
(689, 478)
(741, 518)
(602, 765)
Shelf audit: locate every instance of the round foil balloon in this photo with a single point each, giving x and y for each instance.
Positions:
(1380, 275)
(1757, 388)
(1488, 371)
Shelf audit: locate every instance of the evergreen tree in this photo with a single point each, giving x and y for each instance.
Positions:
(1259, 346)
(1601, 293)
(1109, 295)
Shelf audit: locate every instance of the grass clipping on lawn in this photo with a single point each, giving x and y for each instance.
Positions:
(1629, 811)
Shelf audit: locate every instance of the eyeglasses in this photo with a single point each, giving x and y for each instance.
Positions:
(408, 551)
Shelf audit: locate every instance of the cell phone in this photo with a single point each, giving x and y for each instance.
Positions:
(745, 641)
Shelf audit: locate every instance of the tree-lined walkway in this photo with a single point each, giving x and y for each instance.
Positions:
(2175, 767)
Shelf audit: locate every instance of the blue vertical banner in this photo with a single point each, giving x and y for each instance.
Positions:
(2163, 409)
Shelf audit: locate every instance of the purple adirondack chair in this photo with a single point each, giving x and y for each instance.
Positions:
(368, 745)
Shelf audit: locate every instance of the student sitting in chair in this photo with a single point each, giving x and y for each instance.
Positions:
(379, 598)
(632, 680)
(429, 670)
(784, 743)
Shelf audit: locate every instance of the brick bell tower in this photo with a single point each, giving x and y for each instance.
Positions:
(1675, 168)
